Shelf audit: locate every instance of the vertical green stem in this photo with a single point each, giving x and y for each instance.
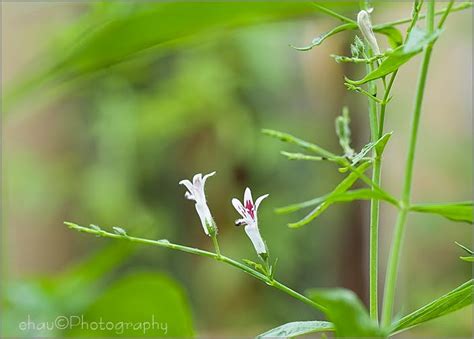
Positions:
(374, 211)
(395, 251)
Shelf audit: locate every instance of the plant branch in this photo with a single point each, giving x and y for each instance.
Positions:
(395, 250)
(460, 7)
(334, 14)
(219, 257)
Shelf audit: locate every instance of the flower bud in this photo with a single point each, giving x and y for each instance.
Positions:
(365, 26)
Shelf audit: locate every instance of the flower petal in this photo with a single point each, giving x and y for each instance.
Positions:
(197, 179)
(239, 207)
(188, 185)
(207, 176)
(247, 196)
(259, 200)
(189, 196)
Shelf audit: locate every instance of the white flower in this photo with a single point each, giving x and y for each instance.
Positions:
(365, 26)
(196, 192)
(248, 211)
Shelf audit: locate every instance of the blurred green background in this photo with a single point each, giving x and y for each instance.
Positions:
(106, 106)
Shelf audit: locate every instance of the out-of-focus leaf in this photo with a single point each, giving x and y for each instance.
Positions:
(297, 328)
(450, 302)
(139, 299)
(343, 186)
(416, 42)
(133, 29)
(468, 259)
(456, 211)
(346, 312)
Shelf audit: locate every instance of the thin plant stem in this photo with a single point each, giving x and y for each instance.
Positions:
(219, 257)
(216, 245)
(445, 14)
(397, 242)
(460, 7)
(383, 106)
(374, 210)
(334, 14)
(374, 203)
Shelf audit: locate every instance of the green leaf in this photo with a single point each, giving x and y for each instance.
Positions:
(297, 328)
(346, 312)
(379, 146)
(285, 137)
(468, 259)
(394, 36)
(456, 211)
(127, 31)
(140, 299)
(301, 156)
(298, 206)
(343, 186)
(157, 24)
(360, 194)
(416, 42)
(448, 303)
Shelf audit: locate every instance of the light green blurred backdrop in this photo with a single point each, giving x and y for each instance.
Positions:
(109, 148)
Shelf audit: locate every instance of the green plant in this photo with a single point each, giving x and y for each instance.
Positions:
(347, 314)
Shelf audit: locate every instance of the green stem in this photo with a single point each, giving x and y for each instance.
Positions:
(334, 14)
(383, 106)
(460, 7)
(395, 250)
(216, 245)
(374, 209)
(196, 251)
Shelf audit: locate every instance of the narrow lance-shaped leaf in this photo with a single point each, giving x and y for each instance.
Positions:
(285, 137)
(343, 186)
(456, 211)
(416, 42)
(346, 312)
(301, 205)
(297, 328)
(301, 156)
(361, 194)
(448, 303)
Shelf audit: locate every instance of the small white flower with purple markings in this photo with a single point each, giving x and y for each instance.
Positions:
(248, 211)
(196, 192)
